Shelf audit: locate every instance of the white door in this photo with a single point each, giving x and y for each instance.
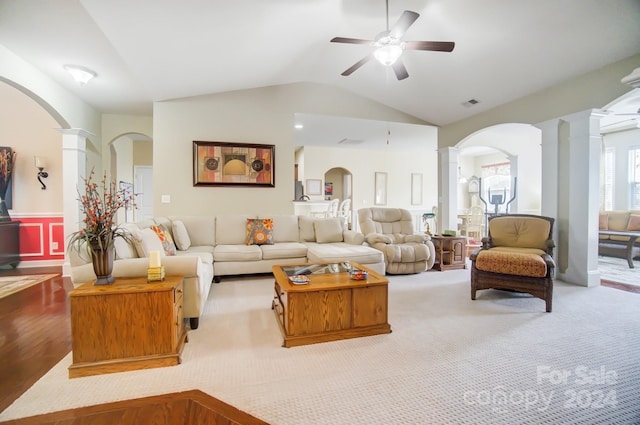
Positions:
(143, 187)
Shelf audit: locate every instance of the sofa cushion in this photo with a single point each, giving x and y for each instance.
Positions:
(181, 235)
(342, 251)
(205, 257)
(259, 231)
(124, 250)
(284, 250)
(285, 228)
(201, 229)
(634, 223)
(168, 246)
(511, 263)
(146, 240)
(618, 220)
(237, 252)
(522, 232)
(306, 228)
(328, 230)
(230, 230)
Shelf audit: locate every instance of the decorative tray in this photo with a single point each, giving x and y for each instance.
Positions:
(299, 279)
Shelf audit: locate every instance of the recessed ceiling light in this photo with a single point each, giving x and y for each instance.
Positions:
(81, 74)
(298, 126)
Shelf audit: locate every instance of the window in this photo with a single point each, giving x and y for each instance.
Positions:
(608, 174)
(634, 178)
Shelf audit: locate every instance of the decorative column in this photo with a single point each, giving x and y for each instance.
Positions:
(74, 142)
(448, 196)
(513, 172)
(579, 197)
(549, 162)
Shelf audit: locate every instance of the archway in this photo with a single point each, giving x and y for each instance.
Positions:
(338, 184)
(501, 153)
(131, 162)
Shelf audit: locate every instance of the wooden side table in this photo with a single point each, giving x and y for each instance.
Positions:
(130, 324)
(451, 252)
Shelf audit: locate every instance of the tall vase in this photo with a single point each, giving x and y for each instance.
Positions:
(102, 260)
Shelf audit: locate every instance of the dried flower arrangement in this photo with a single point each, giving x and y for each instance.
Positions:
(100, 204)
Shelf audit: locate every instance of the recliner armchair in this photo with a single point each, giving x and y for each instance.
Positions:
(391, 231)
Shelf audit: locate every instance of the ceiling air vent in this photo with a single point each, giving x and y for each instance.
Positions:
(471, 102)
(350, 141)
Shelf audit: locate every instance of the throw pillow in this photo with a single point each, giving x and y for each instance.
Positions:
(603, 221)
(124, 249)
(183, 241)
(634, 223)
(328, 230)
(147, 240)
(259, 231)
(168, 246)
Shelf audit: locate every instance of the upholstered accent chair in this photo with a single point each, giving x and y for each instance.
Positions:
(391, 231)
(517, 255)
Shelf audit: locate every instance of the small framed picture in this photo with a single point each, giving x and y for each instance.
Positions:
(314, 187)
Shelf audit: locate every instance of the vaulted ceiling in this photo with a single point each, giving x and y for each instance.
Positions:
(145, 51)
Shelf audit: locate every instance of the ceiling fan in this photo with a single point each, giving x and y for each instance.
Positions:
(389, 45)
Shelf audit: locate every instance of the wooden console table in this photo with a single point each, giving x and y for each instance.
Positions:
(130, 324)
(451, 252)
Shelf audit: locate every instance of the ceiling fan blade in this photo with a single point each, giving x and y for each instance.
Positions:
(400, 70)
(438, 46)
(357, 65)
(404, 22)
(351, 40)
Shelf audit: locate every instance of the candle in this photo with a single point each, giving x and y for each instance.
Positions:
(154, 259)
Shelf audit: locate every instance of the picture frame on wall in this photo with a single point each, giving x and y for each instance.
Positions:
(380, 194)
(233, 164)
(314, 187)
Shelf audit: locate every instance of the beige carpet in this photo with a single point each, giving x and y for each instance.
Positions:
(12, 284)
(497, 360)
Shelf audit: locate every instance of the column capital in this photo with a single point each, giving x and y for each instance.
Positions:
(449, 153)
(76, 132)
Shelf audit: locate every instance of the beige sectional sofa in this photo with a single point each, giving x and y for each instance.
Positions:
(209, 247)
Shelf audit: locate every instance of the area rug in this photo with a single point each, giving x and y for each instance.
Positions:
(12, 284)
(497, 360)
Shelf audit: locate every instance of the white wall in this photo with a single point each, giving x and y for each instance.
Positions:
(30, 131)
(363, 165)
(263, 115)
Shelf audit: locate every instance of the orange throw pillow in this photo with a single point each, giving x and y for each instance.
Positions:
(634, 223)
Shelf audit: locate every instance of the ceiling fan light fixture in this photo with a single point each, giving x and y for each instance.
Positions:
(388, 55)
(80, 74)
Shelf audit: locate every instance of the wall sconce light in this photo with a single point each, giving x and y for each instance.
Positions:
(40, 165)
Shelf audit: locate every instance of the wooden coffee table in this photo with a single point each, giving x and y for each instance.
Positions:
(332, 306)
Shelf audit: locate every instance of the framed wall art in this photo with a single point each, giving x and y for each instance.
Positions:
(314, 187)
(233, 164)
